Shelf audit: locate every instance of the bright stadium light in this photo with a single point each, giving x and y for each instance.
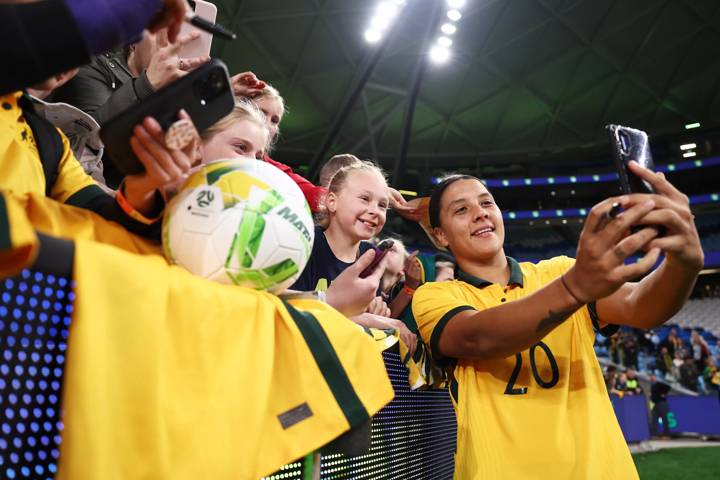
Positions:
(454, 15)
(456, 3)
(439, 54)
(688, 146)
(448, 28)
(372, 35)
(444, 41)
(689, 154)
(690, 126)
(386, 13)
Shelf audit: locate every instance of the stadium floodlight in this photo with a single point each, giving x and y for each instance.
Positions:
(690, 126)
(386, 13)
(456, 3)
(454, 15)
(448, 28)
(372, 35)
(439, 54)
(444, 41)
(689, 154)
(688, 146)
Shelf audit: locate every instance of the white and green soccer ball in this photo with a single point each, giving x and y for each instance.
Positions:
(241, 222)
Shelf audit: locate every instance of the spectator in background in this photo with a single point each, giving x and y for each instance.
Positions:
(620, 386)
(700, 350)
(711, 376)
(113, 82)
(689, 374)
(660, 408)
(403, 275)
(444, 266)
(672, 342)
(616, 349)
(610, 377)
(632, 385)
(630, 348)
(335, 163)
(664, 362)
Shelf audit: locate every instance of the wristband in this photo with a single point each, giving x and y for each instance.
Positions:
(130, 210)
(409, 291)
(562, 280)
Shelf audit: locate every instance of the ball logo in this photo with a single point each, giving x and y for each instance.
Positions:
(204, 198)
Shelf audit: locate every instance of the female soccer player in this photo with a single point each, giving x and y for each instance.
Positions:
(528, 391)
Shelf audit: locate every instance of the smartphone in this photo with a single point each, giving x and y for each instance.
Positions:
(200, 47)
(205, 94)
(380, 252)
(630, 144)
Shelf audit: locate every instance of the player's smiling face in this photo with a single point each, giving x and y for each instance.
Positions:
(471, 223)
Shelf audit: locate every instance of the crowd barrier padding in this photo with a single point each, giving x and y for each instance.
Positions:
(699, 415)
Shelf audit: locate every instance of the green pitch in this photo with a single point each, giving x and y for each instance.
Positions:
(679, 463)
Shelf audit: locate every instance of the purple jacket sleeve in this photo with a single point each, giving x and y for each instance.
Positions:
(106, 24)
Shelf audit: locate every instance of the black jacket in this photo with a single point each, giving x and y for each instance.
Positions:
(104, 88)
(37, 40)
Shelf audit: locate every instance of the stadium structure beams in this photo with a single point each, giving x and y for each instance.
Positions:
(370, 135)
(419, 73)
(361, 78)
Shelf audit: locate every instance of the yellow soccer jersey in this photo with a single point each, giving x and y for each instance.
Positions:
(20, 167)
(542, 413)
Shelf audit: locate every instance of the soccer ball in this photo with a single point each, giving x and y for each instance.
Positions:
(241, 222)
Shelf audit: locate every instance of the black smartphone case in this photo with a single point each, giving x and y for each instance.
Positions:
(630, 144)
(205, 94)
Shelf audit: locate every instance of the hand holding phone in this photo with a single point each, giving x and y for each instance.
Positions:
(205, 94)
(380, 252)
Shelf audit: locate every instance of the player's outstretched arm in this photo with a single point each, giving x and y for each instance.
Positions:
(598, 272)
(656, 298)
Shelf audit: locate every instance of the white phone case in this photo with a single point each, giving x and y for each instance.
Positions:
(199, 47)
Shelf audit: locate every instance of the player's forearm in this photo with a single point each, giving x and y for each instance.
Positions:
(510, 328)
(652, 301)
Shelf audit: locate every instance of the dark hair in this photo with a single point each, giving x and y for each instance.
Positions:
(436, 197)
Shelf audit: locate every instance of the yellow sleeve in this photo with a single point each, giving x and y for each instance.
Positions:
(433, 305)
(18, 242)
(71, 176)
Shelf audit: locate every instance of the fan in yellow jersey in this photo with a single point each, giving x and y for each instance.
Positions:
(528, 391)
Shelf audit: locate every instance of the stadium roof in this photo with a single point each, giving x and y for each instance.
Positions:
(526, 79)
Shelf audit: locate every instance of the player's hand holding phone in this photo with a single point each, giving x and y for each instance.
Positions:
(606, 242)
(680, 241)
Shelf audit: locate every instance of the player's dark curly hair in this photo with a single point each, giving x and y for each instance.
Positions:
(436, 197)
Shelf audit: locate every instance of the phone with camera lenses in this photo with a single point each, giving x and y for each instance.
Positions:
(380, 252)
(205, 94)
(630, 144)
